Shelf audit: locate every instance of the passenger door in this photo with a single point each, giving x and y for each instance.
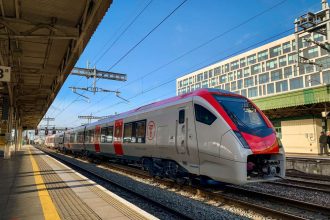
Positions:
(181, 143)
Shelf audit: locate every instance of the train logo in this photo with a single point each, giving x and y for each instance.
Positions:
(151, 130)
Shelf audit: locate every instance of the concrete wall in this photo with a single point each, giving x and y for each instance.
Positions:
(301, 136)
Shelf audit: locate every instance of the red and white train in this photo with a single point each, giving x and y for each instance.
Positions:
(208, 133)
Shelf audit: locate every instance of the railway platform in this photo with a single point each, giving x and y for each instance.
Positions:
(309, 163)
(36, 186)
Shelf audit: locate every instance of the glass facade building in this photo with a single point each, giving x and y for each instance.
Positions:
(268, 70)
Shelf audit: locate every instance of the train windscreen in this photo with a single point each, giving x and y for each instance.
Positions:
(243, 113)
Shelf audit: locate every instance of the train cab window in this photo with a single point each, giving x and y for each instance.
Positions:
(203, 115)
(181, 116)
(135, 132)
(107, 134)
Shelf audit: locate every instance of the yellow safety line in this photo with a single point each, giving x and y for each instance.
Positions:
(47, 204)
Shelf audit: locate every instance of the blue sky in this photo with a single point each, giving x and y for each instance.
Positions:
(194, 23)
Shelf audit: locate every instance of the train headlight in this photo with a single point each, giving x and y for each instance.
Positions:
(242, 140)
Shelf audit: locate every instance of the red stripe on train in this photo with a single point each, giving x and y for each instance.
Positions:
(118, 137)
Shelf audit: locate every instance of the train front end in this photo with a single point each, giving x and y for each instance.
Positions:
(259, 152)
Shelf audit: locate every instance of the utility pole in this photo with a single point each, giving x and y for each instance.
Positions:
(311, 23)
(48, 119)
(90, 117)
(96, 74)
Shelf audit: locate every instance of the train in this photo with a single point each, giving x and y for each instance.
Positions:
(208, 134)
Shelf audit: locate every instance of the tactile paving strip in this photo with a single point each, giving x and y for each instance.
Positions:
(68, 204)
(121, 207)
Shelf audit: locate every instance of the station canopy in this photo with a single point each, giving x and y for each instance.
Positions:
(41, 40)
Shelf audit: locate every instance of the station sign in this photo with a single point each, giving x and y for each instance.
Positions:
(4, 74)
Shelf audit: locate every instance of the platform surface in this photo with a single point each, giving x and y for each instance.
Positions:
(36, 186)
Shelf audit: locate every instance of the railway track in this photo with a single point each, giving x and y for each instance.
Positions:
(304, 184)
(231, 195)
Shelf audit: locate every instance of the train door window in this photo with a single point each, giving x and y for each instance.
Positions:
(203, 115)
(181, 116)
(91, 136)
(140, 131)
(107, 134)
(128, 132)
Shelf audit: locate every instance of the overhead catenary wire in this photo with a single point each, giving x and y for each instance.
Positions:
(135, 46)
(201, 45)
(147, 35)
(122, 33)
(171, 80)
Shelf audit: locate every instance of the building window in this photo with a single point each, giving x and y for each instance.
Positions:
(239, 74)
(205, 84)
(270, 88)
(313, 79)
(223, 78)
(311, 52)
(292, 58)
(288, 72)
(326, 77)
(274, 51)
(234, 65)
(242, 62)
(214, 81)
(286, 47)
(107, 134)
(233, 86)
(217, 71)
(200, 77)
(282, 86)
(253, 92)
(263, 55)
(255, 69)
(239, 84)
(263, 78)
(246, 72)
(296, 83)
(227, 68)
(210, 73)
(197, 85)
(324, 61)
(227, 86)
(271, 64)
(306, 68)
(282, 61)
(243, 92)
(248, 82)
(276, 75)
(318, 37)
(252, 59)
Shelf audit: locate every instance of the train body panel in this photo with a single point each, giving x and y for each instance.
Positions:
(208, 132)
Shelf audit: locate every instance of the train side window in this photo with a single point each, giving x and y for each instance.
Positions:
(90, 136)
(181, 116)
(107, 134)
(203, 115)
(140, 131)
(135, 132)
(128, 130)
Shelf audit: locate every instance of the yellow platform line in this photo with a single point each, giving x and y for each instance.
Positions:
(48, 207)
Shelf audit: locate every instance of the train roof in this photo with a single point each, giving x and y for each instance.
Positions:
(164, 102)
